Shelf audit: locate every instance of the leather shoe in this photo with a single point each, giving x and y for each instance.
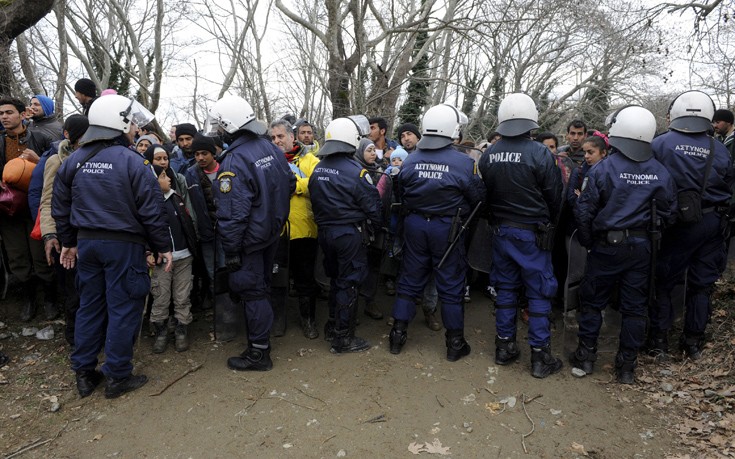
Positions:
(87, 381)
(118, 387)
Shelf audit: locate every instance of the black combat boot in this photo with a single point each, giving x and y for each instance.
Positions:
(457, 347)
(28, 311)
(506, 350)
(307, 310)
(181, 334)
(161, 342)
(278, 303)
(252, 359)
(87, 381)
(657, 345)
(624, 369)
(398, 336)
(117, 387)
(584, 357)
(345, 341)
(543, 363)
(691, 346)
(50, 300)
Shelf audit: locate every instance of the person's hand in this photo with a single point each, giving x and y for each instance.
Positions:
(49, 245)
(150, 260)
(168, 260)
(68, 257)
(30, 155)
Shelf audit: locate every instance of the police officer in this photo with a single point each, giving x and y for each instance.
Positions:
(107, 240)
(252, 191)
(346, 207)
(437, 186)
(695, 245)
(614, 218)
(524, 190)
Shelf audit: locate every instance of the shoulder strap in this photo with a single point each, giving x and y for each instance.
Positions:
(708, 167)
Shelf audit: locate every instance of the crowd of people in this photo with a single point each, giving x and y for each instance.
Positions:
(235, 214)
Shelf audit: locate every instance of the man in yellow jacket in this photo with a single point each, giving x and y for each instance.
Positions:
(303, 232)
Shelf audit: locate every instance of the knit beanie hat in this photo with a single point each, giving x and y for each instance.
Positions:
(76, 126)
(46, 104)
(202, 143)
(410, 127)
(399, 153)
(723, 115)
(186, 129)
(152, 140)
(86, 87)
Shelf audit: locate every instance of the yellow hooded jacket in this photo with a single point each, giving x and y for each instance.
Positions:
(301, 217)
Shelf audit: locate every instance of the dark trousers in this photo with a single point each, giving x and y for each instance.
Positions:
(301, 259)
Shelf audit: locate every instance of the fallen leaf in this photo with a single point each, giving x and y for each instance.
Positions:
(416, 448)
(579, 449)
(436, 448)
(95, 438)
(494, 407)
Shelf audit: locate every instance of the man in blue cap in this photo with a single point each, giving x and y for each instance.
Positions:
(43, 118)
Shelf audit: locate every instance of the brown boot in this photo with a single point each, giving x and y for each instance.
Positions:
(431, 322)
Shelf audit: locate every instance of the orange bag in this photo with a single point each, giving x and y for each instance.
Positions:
(36, 232)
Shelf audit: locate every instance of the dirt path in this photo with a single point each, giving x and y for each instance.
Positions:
(314, 404)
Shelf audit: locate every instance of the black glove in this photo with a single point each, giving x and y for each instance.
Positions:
(233, 262)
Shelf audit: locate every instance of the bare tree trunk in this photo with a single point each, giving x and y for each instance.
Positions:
(59, 8)
(27, 66)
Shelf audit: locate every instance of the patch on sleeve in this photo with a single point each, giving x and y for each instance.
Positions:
(226, 174)
(584, 183)
(225, 184)
(364, 173)
(145, 161)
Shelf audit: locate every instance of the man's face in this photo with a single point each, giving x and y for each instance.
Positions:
(305, 135)
(409, 140)
(204, 159)
(282, 138)
(81, 97)
(376, 133)
(721, 127)
(575, 136)
(551, 144)
(36, 108)
(184, 142)
(10, 117)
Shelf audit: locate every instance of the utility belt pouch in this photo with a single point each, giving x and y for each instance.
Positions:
(545, 234)
(364, 229)
(690, 207)
(615, 237)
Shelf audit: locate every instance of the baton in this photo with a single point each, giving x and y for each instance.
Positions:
(461, 231)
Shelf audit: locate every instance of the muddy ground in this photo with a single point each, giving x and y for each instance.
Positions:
(373, 404)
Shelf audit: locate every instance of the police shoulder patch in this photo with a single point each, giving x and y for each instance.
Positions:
(145, 162)
(226, 174)
(225, 184)
(364, 173)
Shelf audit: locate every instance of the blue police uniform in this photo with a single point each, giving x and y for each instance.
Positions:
(616, 197)
(433, 185)
(109, 209)
(524, 190)
(346, 204)
(252, 193)
(697, 248)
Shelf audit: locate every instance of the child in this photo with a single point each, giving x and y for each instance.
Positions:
(595, 150)
(178, 281)
(396, 161)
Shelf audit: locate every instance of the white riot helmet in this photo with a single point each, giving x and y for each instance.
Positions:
(232, 114)
(441, 125)
(691, 112)
(631, 132)
(517, 115)
(343, 135)
(111, 116)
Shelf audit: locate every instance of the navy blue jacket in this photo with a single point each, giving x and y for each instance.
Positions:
(685, 157)
(342, 192)
(252, 194)
(114, 195)
(523, 183)
(617, 194)
(35, 187)
(438, 182)
(205, 225)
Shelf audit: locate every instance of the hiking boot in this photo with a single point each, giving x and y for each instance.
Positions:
(308, 328)
(161, 342)
(691, 346)
(624, 369)
(28, 312)
(346, 342)
(252, 359)
(87, 381)
(543, 363)
(118, 387)
(372, 311)
(398, 336)
(431, 321)
(584, 358)
(657, 346)
(182, 339)
(50, 305)
(506, 350)
(329, 330)
(391, 320)
(457, 347)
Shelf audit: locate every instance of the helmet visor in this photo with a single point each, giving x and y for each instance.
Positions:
(137, 114)
(362, 123)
